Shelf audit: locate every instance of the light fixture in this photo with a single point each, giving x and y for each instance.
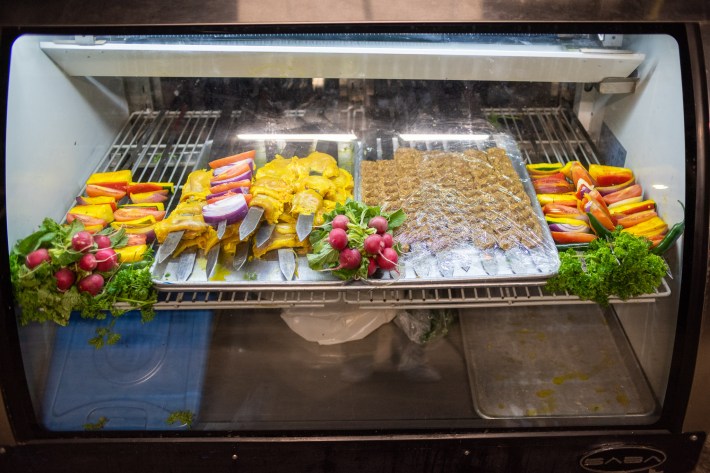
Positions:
(297, 136)
(443, 137)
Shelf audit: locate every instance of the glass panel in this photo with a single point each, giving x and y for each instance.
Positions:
(462, 335)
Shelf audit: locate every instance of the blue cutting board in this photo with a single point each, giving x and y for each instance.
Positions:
(155, 369)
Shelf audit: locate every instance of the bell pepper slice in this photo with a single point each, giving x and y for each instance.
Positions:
(634, 219)
(543, 169)
(102, 199)
(131, 254)
(622, 194)
(604, 190)
(577, 172)
(87, 220)
(651, 227)
(149, 197)
(218, 163)
(95, 190)
(572, 237)
(102, 211)
(139, 222)
(147, 205)
(633, 208)
(610, 175)
(141, 187)
(602, 215)
(115, 179)
(126, 214)
(564, 199)
(621, 203)
(556, 186)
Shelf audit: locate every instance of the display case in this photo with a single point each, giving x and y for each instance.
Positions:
(504, 328)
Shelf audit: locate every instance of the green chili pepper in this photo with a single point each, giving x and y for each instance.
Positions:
(673, 234)
(599, 229)
(572, 246)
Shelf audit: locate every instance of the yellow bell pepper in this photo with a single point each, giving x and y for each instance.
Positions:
(652, 227)
(102, 211)
(131, 254)
(142, 222)
(114, 179)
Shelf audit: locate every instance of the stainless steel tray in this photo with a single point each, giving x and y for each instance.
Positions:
(460, 266)
(525, 364)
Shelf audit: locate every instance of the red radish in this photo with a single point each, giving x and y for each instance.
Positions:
(350, 258)
(82, 241)
(371, 267)
(388, 240)
(387, 259)
(92, 284)
(379, 223)
(88, 262)
(37, 257)
(102, 241)
(65, 279)
(373, 244)
(338, 239)
(106, 259)
(340, 221)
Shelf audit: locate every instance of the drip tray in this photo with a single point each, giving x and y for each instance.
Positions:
(547, 364)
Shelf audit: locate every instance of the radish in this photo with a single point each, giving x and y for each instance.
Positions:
(82, 241)
(350, 258)
(387, 259)
(338, 239)
(106, 259)
(371, 267)
(388, 240)
(37, 257)
(340, 221)
(102, 241)
(92, 284)
(379, 223)
(87, 262)
(65, 279)
(373, 244)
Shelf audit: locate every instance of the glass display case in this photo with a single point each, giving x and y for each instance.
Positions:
(503, 315)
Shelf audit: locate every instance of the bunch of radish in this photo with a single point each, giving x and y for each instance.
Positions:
(94, 258)
(377, 247)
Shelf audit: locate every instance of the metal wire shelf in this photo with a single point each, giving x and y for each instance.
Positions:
(165, 146)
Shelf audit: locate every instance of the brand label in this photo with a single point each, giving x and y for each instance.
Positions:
(623, 458)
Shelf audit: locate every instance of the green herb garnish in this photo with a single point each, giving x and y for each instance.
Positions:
(36, 290)
(181, 418)
(622, 266)
(98, 425)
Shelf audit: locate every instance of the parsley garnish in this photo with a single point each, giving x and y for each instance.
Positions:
(621, 266)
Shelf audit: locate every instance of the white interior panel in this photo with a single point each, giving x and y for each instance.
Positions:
(382, 60)
(58, 129)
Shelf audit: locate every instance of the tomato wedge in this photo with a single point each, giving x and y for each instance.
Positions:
(623, 194)
(87, 220)
(218, 163)
(150, 197)
(125, 214)
(95, 190)
(630, 220)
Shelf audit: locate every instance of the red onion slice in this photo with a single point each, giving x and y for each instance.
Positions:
(232, 209)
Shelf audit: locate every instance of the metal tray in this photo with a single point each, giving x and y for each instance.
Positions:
(524, 363)
(478, 267)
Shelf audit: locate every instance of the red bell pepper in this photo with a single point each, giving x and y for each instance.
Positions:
(577, 172)
(150, 197)
(610, 175)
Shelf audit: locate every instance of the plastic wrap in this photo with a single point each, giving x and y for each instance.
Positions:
(424, 326)
(471, 210)
(329, 327)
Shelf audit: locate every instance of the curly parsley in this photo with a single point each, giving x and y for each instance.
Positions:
(621, 266)
(36, 291)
